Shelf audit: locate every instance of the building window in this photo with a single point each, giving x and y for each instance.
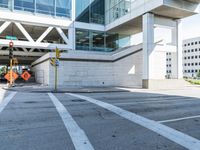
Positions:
(25, 5)
(100, 41)
(90, 11)
(45, 7)
(4, 3)
(195, 43)
(192, 57)
(192, 50)
(63, 8)
(192, 43)
(196, 50)
(188, 51)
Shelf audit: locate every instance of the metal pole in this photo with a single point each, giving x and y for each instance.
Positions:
(11, 79)
(56, 78)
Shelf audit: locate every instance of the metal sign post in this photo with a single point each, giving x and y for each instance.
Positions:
(56, 64)
(11, 44)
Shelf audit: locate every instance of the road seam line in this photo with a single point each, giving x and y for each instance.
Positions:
(6, 100)
(167, 132)
(78, 136)
(179, 119)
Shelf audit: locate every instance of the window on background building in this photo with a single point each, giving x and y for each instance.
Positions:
(192, 50)
(82, 39)
(192, 57)
(196, 50)
(45, 7)
(195, 43)
(4, 3)
(188, 44)
(90, 11)
(196, 64)
(192, 43)
(185, 45)
(25, 5)
(82, 10)
(188, 71)
(116, 9)
(188, 51)
(100, 41)
(63, 8)
(97, 12)
(185, 71)
(196, 57)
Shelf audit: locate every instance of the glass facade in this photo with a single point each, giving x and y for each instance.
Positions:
(4, 3)
(116, 9)
(90, 11)
(100, 41)
(61, 8)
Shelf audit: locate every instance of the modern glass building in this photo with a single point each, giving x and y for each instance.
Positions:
(61, 8)
(96, 12)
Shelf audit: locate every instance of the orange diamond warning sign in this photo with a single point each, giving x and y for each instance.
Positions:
(26, 75)
(14, 76)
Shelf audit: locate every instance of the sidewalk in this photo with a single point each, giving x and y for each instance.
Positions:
(37, 88)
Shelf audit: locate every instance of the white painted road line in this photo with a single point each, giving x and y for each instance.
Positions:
(78, 136)
(146, 102)
(4, 102)
(179, 119)
(180, 138)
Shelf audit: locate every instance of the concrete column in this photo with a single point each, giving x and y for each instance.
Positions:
(72, 37)
(148, 44)
(177, 62)
(154, 55)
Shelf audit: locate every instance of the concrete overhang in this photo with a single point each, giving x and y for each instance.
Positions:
(34, 19)
(174, 9)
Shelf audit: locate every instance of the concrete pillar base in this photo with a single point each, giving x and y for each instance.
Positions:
(164, 84)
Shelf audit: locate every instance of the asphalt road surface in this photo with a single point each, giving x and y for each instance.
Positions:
(135, 120)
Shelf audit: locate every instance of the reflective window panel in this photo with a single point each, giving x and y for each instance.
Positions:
(63, 8)
(25, 5)
(45, 7)
(4, 3)
(82, 39)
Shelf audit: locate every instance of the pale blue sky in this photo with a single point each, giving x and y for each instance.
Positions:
(191, 27)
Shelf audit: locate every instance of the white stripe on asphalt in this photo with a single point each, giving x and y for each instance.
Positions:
(179, 119)
(78, 136)
(146, 102)
(4, 101)
(167, 132)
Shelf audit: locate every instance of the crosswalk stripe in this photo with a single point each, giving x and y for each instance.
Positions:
(78, 136)
(167, 132)
(4, 101)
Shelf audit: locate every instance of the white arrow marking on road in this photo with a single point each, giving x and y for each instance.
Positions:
(4, 102)
(167, 132)
(78, 136)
